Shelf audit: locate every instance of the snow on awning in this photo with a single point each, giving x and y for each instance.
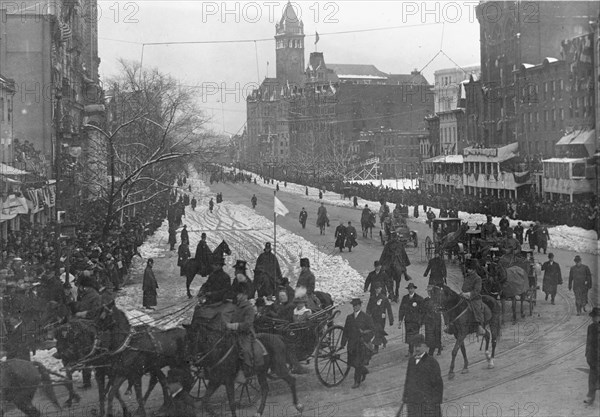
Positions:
(445, 159)
(586, 138)
(6, 217)
(501, 154)
(8, 170)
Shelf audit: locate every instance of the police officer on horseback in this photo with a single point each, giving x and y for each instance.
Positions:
(471, 291)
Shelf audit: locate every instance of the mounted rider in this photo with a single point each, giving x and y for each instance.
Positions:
(267, 273)
(489, 230)
(203, 256)
(471, 291)
(218, 285)
(242, 323)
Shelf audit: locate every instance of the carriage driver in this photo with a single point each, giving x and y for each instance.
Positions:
(242, 323)
(471, 290)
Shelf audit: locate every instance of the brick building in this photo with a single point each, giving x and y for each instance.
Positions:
(517, 33)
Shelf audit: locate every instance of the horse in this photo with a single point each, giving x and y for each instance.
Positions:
(507, 282)
(192, 267)
(460, 322)
(451, 242)
(367, 222)
(215, 349)
(19, 381)
(394, 261)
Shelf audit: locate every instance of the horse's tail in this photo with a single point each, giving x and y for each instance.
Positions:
(47, 385)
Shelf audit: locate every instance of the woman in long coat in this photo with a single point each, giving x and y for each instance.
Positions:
(149, 286)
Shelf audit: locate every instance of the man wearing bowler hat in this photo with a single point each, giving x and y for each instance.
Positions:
(552, 277)
(411, 312)
(423, 387)
(592, 355)
(580, 281)
(377, 277)
(358, 331)
(218, 285)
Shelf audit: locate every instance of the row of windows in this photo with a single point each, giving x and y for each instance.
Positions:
(290, 43)
(531, 121)
(5, 110)
(448, 134)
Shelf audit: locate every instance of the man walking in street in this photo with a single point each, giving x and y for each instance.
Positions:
(358, 331)
(253, 200)
(423, 387)
(592, 355)
(375, 278)
(411, 312)
(350, 237)
(185, 237)
(519, 232)
(437, 268)
(340, 236)
(303, 217)
(149, 286)
(380, 310)
(530, 237)
(211, 205)
(580, 280)
(552, 277)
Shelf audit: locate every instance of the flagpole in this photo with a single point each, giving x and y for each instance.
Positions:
(274, 241)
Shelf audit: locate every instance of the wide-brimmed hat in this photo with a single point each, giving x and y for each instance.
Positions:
(268, 245)
(411, 285)
(577, 259)
(240, 264)
(595, 312)
(304, 262)
(356, 301)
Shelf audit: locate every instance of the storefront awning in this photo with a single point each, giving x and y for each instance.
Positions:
(8, 170)
(445, 159)
(496, 155)
(586, 138)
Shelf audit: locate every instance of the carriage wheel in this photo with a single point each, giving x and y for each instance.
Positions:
(248, 393)
(429, 248)
(199, 384)
(331, 361)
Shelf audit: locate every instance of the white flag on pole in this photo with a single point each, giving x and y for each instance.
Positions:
(279, 208)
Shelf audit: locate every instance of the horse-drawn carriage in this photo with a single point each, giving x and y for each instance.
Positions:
(398, 225)
(449, 237)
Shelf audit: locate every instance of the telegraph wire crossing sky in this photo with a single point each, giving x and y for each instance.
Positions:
(234, 50)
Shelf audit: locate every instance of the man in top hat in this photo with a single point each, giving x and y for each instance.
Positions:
(242, 323)
(437, 267)
(307, 281)
(203, 256)
(358, 331)
(184, 235)
(183, 254)
(267, 273)
(241, 276)
(592, 355)
(552, 277)
(375, 278)
(423, 387)
(181, 404)
(471, 291)
(411, 312)
(580, 280)
(218, 285)
(149, 286)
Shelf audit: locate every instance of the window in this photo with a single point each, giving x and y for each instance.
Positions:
(561, 113)
(578, 170)
(1, 109)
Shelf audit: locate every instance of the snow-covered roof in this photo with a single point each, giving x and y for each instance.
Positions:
(525, 65)
(550, 59)
(563, 160)
(357, 71)
(445, 159)
(501, 154)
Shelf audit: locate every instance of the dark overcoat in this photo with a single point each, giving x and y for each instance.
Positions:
(149, 287)
(411, 312)
(580, 279)
(357, 332)
(552, 277)
(340, 236)
(433, 324)
(423, 388)
(381, 310)
(217, 287)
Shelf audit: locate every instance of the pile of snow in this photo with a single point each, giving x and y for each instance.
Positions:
(570, 238)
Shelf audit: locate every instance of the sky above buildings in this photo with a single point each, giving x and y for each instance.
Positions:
(395, 36)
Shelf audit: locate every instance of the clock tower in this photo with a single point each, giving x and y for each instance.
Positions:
(289, 48)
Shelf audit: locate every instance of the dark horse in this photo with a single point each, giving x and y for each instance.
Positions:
(508, 282)
(367, 222)
(20, 379)
(215, 349)
(452, 242)
(192, 267)
(394, 261)
(460, 322)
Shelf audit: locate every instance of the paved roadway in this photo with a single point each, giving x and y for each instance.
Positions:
(540, 367)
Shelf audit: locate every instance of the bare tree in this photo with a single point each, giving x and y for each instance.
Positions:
(153, 124)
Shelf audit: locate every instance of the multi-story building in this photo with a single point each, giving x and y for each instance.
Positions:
(514, 33)
(7, 92)
(398, 151)
(51, 50)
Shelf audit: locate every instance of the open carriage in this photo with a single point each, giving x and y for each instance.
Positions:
(400, 227)
(317, 338)
(441, 228)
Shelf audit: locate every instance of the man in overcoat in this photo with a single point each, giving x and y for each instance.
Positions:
(580, 280)
(411, 312)
(218, 285)
(350, 237)
(185, 237)
(308, 281)
(380, 310)
(592, 355)
(267, 273)
(358, 331)
(471, 291)
(240, 277)
(432, 320)
(437, 267)
(552, 277)
(340, 236)
(181, 404)
(423, 387)
(183, 254)
(203, 256)
(377, 277)
(149, 286)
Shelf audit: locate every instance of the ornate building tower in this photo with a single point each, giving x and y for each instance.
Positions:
(289, 41)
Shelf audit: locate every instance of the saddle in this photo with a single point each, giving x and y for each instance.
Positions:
(257, 358)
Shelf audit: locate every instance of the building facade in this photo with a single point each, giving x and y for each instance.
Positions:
(516, 33)
(7, 92)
